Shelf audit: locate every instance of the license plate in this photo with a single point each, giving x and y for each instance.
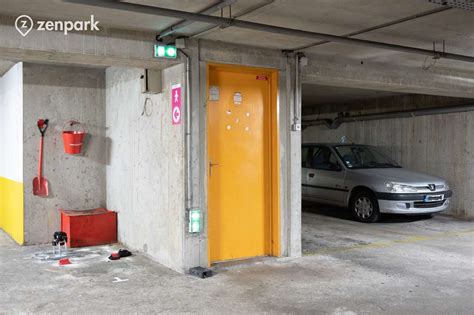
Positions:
(429, 198)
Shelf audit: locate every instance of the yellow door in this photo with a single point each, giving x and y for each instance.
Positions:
(239, 155)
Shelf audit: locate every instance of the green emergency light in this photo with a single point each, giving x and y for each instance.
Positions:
(166, 51)
(194, 221)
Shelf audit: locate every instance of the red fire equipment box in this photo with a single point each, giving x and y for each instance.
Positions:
(89, 227)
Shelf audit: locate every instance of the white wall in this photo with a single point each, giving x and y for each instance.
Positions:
(11, 124)
(145, 171)
(440, 145)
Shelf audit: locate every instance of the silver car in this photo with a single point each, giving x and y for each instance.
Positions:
(363, 179)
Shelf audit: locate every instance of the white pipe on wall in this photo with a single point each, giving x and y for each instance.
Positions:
(187, 135)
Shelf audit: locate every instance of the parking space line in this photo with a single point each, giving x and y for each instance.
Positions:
(390, 243)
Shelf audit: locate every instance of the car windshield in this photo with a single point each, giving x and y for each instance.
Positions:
(364, 157)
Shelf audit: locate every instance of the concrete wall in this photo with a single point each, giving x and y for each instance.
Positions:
(112, 47)
(11, 152)
(61, 93)
(145, 168)
(440, 145)
(126, 48)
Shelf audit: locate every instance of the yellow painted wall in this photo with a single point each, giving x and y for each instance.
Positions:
(11, 209)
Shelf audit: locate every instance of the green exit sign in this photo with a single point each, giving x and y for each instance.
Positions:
(166, 51)
(194, 221)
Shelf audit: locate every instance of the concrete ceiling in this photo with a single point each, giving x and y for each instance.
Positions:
(57, 9)
(337, 17)
(314, 94)
(5, 66)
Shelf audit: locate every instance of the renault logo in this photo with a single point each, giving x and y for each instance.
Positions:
(432, 187)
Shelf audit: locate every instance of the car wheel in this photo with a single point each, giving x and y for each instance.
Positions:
(365, 207)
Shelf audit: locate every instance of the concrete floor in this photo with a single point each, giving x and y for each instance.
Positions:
(415, 266)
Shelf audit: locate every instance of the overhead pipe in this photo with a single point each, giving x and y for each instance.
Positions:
(339, 120)
(238, 15)
(139, 8)
(297, 87)
(213, 8)
(380, 26)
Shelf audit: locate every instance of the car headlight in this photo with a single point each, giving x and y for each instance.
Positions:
(446, 186)
(399, 188)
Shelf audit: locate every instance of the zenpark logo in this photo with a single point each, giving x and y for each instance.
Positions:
(24, 24)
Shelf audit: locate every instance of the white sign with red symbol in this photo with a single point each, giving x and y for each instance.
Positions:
(176, 104)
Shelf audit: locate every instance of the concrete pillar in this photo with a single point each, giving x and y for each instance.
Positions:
(195, 244)
(293, 158)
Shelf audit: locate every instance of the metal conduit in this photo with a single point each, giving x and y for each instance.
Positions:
(238, 15)
(297, 100)
(138, 8)
(187, 136)
(380, 26)
(213, 8)
(336, 122)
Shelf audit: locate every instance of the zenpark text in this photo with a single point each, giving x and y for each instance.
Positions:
(24, 24)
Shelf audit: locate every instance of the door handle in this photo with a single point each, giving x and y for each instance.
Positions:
(210, 167)
(311, 174)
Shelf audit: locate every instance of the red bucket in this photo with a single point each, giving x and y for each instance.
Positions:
(73, 139)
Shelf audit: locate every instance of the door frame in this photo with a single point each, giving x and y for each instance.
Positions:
(273, 149)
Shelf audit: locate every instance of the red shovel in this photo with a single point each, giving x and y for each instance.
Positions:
(40, 184)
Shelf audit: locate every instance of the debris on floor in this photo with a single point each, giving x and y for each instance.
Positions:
(59, 243)
(117, 279)
(201, 272)
(80, 254)
(120, 254)
(64, 261)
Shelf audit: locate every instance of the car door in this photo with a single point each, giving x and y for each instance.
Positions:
(304, 169)
(324, 178)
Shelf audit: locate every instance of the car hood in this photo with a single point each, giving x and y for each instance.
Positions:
(400, 175)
